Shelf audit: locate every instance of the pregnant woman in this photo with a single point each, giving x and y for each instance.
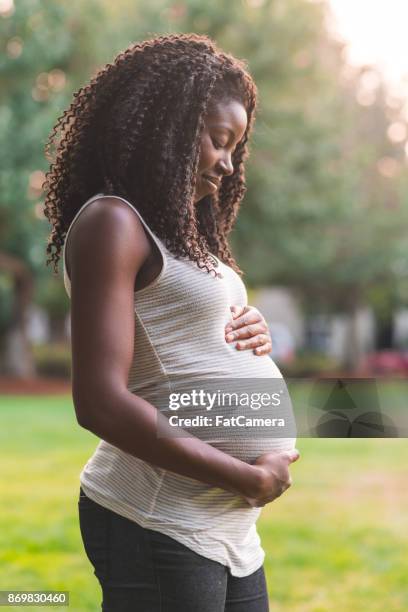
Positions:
(145, 187)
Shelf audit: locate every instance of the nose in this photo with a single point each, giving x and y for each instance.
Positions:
(226, 166)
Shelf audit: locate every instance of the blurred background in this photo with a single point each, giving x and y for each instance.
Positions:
(322, 236)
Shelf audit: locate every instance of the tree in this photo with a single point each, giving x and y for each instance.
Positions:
(46, 43)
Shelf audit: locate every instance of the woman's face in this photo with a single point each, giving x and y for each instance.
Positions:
(224, 127)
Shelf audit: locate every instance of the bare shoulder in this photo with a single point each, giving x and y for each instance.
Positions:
(107, 227)
(108, 249)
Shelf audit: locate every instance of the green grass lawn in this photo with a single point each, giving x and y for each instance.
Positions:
(337, 540)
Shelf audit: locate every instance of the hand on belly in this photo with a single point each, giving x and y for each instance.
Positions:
(249, 329)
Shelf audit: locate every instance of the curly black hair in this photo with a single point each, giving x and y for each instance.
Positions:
(134, 131)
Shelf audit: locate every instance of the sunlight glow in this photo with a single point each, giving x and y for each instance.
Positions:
(6, 8)
(376, 33)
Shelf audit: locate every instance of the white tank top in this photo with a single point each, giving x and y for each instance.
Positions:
(180, 320)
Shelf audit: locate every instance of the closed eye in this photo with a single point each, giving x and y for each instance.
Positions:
(216, 144)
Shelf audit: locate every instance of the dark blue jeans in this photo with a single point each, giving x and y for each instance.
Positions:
(141, 570)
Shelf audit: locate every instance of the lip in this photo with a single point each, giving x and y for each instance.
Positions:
(213, 180)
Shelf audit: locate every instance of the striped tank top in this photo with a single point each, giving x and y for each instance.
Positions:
(180, 320)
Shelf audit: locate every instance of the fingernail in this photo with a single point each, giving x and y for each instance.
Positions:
(295, 455)
(230, 337)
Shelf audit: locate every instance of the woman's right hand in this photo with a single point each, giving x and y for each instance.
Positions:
(272, 476)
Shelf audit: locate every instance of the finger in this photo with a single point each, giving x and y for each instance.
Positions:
(254, 342)
(246, 318)
(248, 331)
(236, 311)
(263, 350)
(293, 455)
(285, 484)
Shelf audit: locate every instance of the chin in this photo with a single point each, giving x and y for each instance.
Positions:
(201, 198)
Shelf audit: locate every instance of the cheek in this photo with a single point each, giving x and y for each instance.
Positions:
(206, 157)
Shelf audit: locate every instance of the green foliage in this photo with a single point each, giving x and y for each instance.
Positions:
(51, 295)
(48, 48)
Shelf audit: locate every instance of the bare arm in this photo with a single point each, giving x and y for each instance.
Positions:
(108, 246)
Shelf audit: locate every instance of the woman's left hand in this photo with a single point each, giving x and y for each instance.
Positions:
(249, 323)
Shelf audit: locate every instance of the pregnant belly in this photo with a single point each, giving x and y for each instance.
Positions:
(258, 429)
(249, 449)
(255, 375)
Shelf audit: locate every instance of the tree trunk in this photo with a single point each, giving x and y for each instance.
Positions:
(353, 348)
(17, 356)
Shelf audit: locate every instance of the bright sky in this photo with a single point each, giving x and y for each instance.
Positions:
(377, 33)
